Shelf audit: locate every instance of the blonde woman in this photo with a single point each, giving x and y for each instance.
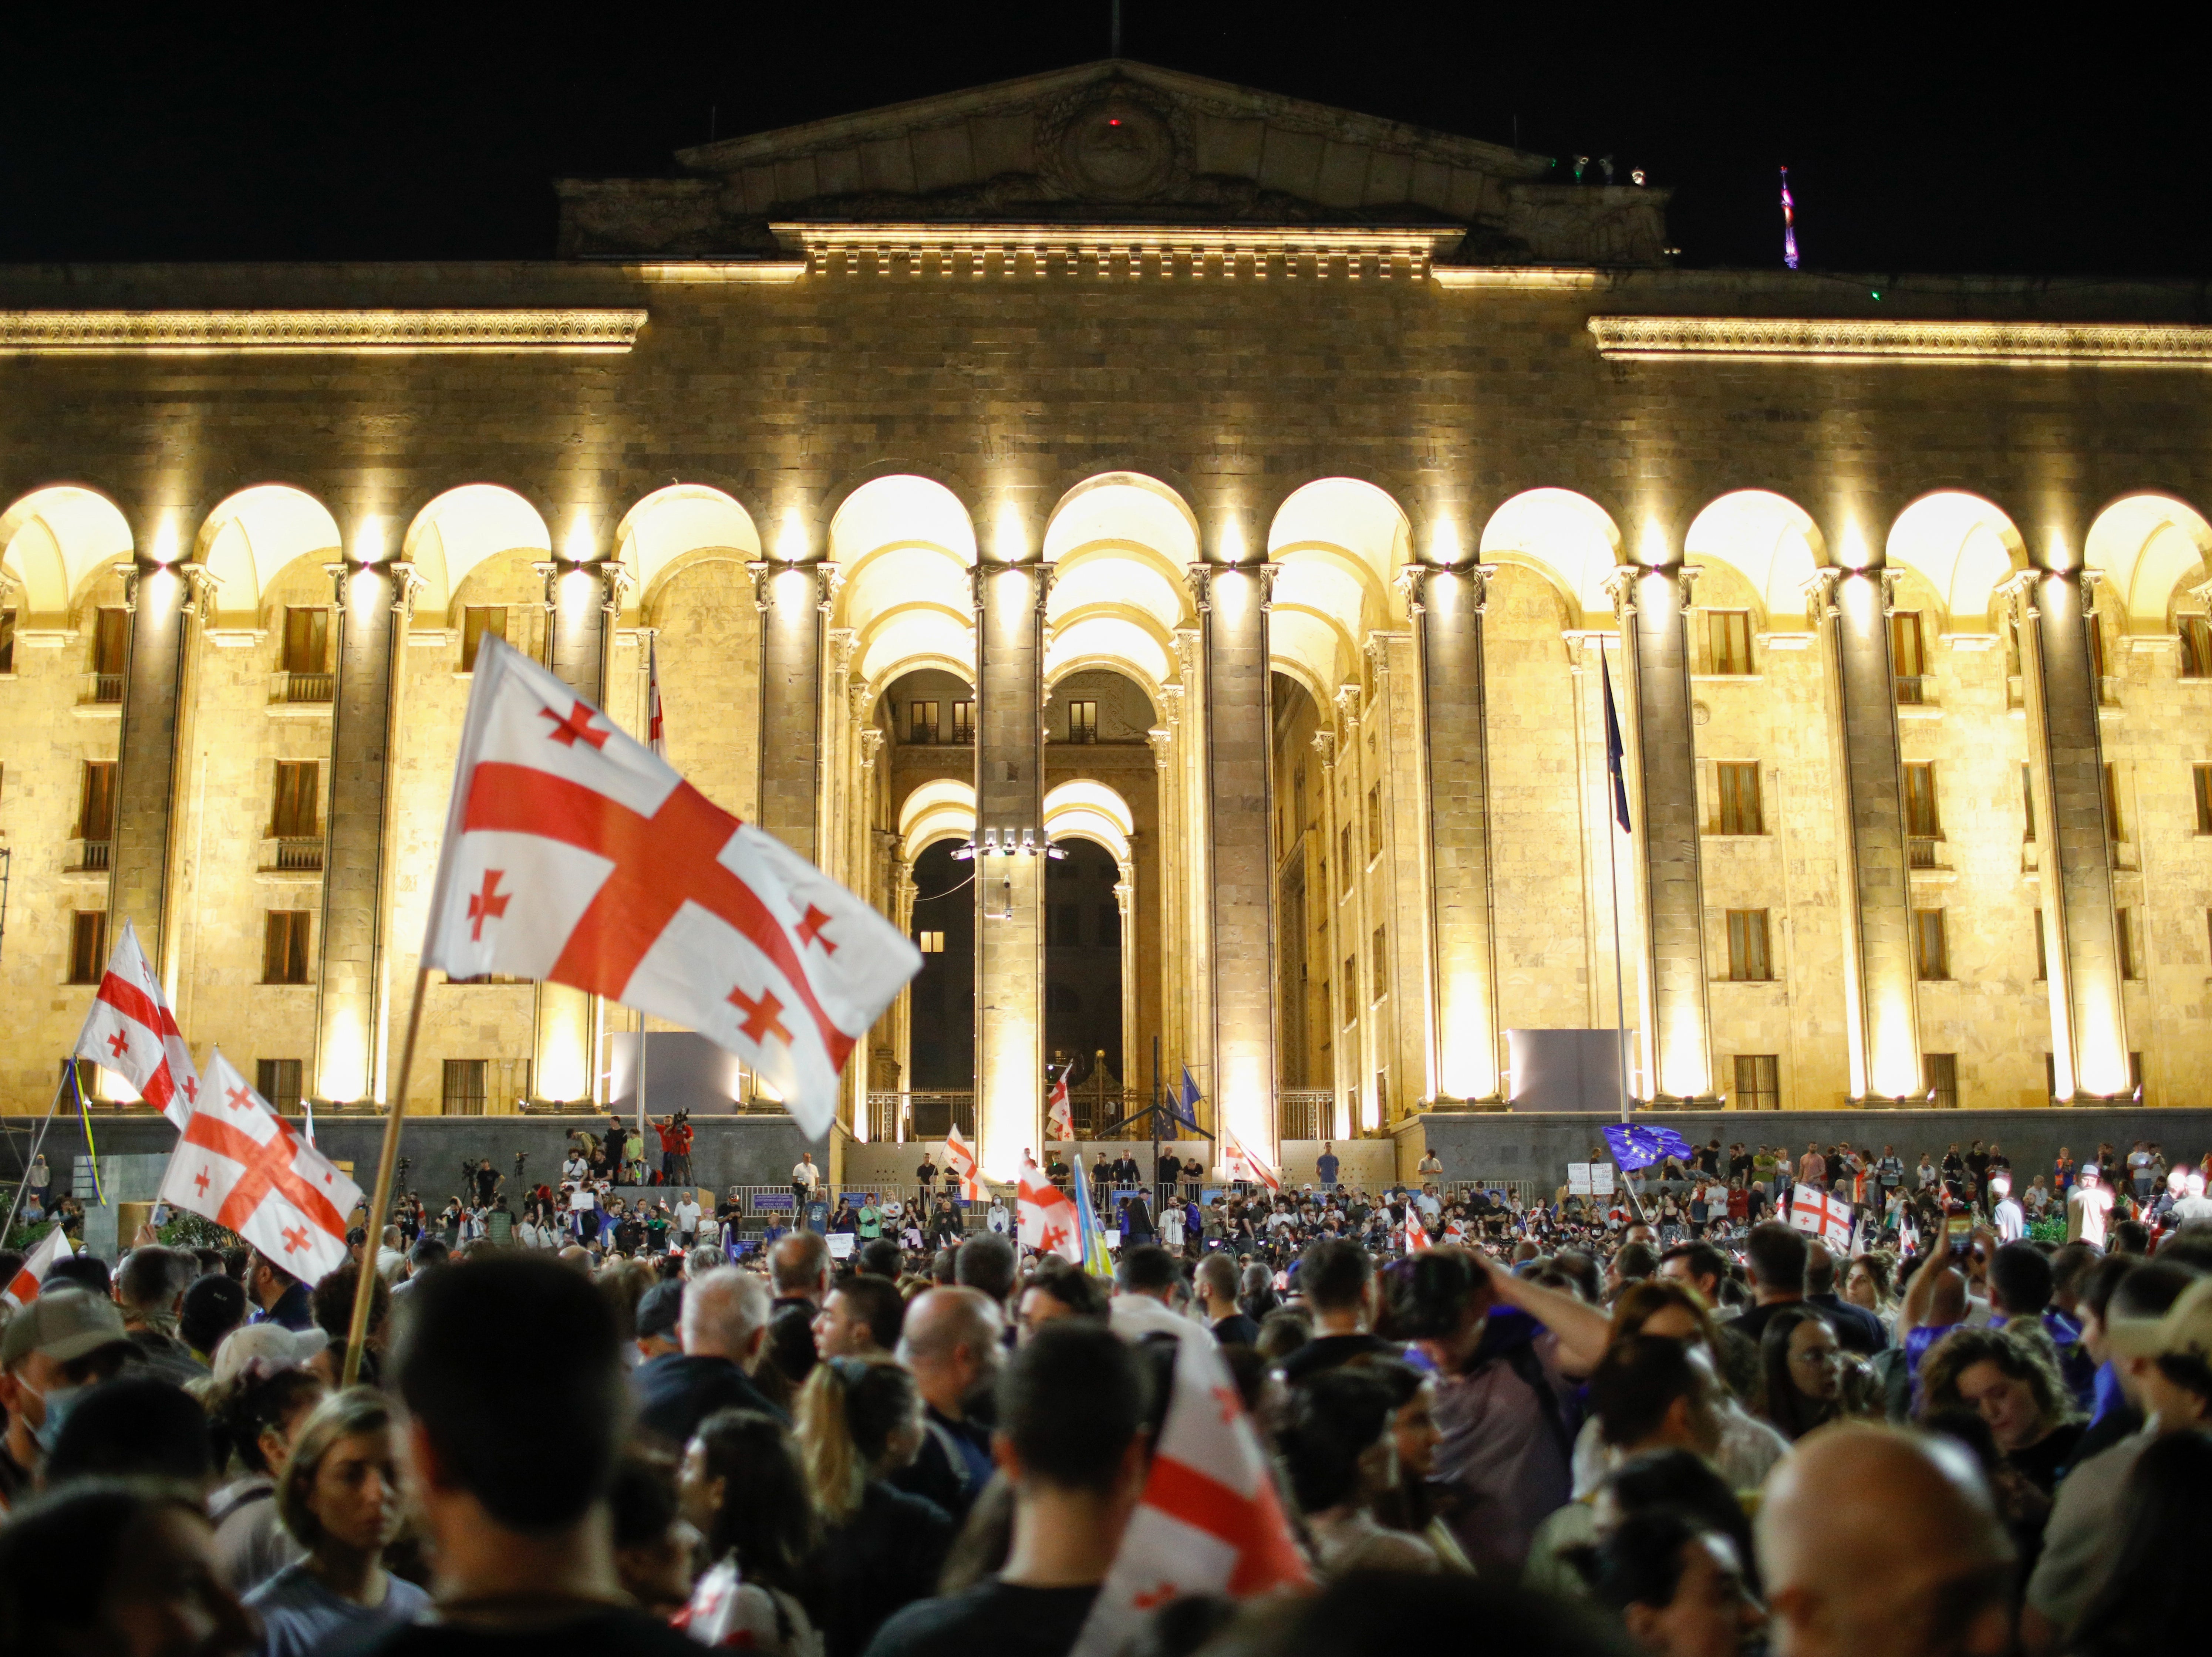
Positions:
(340, 1496)
(858, 1423)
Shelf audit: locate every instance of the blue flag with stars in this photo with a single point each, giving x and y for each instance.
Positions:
(1635, 1146)
(1613, 748)
(1185, 1105)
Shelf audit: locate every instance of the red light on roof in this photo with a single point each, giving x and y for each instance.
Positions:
(1114, 120)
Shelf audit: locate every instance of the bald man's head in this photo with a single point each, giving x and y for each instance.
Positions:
(1872, 1538)
(950, 1341)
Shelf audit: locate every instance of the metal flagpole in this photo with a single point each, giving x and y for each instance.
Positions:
(38, 1143)
(1616, 789)
(380, 1204)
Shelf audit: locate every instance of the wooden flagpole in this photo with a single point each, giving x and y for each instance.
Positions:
(380, 1205)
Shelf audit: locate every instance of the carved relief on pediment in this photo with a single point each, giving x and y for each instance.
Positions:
(1116, 143)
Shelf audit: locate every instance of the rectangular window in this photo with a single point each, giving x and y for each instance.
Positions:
(284, 947)
(2196, 647)
(1931, 951)
(921, 724)
(2123, 934)
(2203, 777)
(1908, 657)
(1350, 988)
(87, 945)
(1344, 839)
(1920, 817)
(464, 1087)
(7, 641)
(930, 943)
(964, 722)
(1758, 1081)
(1381, 986)
(2042, 951)
(2119, 829)
(277, 1080)
(479, 622)
(1109, 924)
(1749, 962)
(2026, 807)
(1727, 641)
(1083, 722)
(110, 639)
(1943, 1072)
(299, 797)
(307, 639)
(1060, 924)
(1740, 813)
(1375, 820)
(95, 805)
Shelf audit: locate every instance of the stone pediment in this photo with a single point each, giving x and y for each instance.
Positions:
(1105, 143)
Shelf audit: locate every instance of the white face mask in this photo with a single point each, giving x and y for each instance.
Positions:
(55, 1407)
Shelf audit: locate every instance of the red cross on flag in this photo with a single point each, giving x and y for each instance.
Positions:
(960, 1163)
(131, 1031)
(1209, 1521)
(1058, 1112)
(1826, 1217)
(1244, 1166)
(240, 1166)
(1046, 1216)
(1417, 1235)
(575, 855)
(23, 1287)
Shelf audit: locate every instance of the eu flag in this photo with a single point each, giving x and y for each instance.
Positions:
(1185, 1107)
(1638, 1146)
(1614, 749)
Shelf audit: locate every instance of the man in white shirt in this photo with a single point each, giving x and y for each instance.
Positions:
(805, 1177)
(687, 1220)
(1928, 1174)
(2011, 1222)
(1170, 1226)
(2035, 1197)
(2195, 1205)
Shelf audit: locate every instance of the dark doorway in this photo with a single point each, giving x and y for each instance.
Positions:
(943, 1027)
(1083, 964)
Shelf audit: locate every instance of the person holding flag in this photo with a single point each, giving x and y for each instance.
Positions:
(966, 1177)
(22, 1289)
(1049, 1221)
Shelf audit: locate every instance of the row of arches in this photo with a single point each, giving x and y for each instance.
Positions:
(1119, 546)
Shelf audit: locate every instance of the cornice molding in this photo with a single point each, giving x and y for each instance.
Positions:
(1028, 251)
(223, 333)
(1761, 339)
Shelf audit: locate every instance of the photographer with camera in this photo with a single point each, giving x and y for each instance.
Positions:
(675, 1134)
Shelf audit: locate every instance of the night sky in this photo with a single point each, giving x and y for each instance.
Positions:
(1998, 143)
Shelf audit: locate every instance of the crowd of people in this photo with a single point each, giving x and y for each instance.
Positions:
(1576, 1421)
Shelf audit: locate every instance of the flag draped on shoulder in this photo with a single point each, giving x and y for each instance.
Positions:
(575, 855)
(1209, 1521)
(22, 1289)
(960, 1163)
(239, 1165)
(132, 1031)
(1048, 1221)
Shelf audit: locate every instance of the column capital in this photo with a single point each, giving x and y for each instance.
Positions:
(1620, 586)
(1820, 590)
(842, 640)
(1160, 739)
(871, 741)
(1413, 577)
(2018, 590)
(1347, 701)
(1324, 743)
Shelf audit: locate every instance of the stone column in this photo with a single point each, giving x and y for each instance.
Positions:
(1240, 890)
(157, 693)
(904, 891)
(1446, 604)
(1341, 1079)
(353, 990)
(1009, 861)
(2052, 610)
(1850, 611)
(792, 598)
(1124, 903)
(583, 602)
(1657, 718)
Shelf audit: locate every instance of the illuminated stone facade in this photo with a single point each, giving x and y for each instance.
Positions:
(1363, 456)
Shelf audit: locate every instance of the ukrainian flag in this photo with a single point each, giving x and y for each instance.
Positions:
(1096, 1260)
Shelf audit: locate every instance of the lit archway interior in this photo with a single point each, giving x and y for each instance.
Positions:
(905, 545)
(1338, 543)
(253, 538)
(462, 529)
(1963, 549)
(2149, 548)
(1566, 537)
(57, 541)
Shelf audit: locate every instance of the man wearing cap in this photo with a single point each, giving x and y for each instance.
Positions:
(660, 1316)
(2166, 1365)
(52, 1350)
(2087, 1205)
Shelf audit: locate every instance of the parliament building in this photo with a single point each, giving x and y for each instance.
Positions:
(1252, 502)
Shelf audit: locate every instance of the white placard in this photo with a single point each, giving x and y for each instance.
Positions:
(840, 1245)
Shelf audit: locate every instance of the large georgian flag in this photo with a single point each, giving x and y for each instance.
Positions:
(960, 1164)
(240, 1166)
(1209, 1521)
(1048, 1220)
(1058, 1111)
(131, 1031)
(575, 855)
(1243, 1165)
(1828, 1217)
